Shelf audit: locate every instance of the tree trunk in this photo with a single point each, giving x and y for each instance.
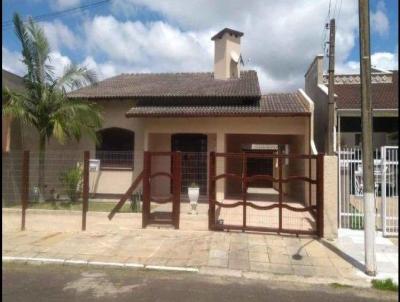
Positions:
(42, 153)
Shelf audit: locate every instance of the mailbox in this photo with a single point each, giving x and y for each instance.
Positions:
(94, 165)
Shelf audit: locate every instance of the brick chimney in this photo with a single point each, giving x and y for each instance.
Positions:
(227, 54)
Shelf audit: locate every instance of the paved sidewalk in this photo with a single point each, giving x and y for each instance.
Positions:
(351, 243)
(58, 235)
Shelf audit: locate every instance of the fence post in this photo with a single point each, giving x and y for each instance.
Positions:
(320, 194)
(211, 192)
(244, 189)
(146, 188)
(280, 190)
(176, 187)
(24, 187)
(85, 195)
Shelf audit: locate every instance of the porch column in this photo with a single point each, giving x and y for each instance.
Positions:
(220, 167)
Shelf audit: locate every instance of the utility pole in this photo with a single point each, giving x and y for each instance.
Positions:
(331, 93)
(367, 155)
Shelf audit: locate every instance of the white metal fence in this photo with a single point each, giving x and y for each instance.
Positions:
(351, 208)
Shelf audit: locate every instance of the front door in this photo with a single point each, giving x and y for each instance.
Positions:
(194, 159)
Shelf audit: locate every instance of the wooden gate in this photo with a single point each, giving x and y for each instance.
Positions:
(313, 208)
(174, 174)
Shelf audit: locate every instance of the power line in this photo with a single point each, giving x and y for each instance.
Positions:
(7, 24)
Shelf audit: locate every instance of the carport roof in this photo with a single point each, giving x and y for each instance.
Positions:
(275, 104)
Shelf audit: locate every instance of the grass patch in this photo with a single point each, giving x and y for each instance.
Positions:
(339, 285)
(386, 284)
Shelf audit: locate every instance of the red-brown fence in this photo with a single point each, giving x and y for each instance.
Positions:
(174, 174)
(310, 211)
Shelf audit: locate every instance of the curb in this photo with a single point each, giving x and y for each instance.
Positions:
(98, 263)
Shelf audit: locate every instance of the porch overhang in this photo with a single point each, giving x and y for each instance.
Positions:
(185, 112)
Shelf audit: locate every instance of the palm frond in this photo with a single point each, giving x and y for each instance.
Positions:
(75, 77)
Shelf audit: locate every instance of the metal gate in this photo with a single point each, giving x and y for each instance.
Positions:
(273, 215)
(351, 208)
(174, 175)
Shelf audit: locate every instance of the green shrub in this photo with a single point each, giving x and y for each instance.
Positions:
(72, 182)
(135, 202)
(386, 284)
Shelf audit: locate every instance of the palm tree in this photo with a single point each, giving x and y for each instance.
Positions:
(44, 104)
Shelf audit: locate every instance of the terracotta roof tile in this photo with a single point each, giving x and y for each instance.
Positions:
(270, 104)
(165, 85)
(384, 95)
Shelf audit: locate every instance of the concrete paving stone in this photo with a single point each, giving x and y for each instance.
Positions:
(218, 262)
(134, 259)
(340, 263)
(296, 251)
(326, 272)
(279, 259)
(197, 262)
(239, 264)
(217, 271)
(305, 261)
(302, 270)
(177, 262)
(277, 250)
(217, 253)
(258, 248)
(322, 262)
(238, 254)
(279, 269)
(259, 266)
(155, 261)
(258, 256)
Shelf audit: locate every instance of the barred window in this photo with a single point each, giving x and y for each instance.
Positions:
(116, 148)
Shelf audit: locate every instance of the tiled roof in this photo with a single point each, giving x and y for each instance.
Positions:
(11, 81)
(276, 104)
(227, 30)
(384, 95)
(165, 85)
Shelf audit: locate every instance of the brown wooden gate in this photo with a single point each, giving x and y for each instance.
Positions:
(314, 206)
(174, 174)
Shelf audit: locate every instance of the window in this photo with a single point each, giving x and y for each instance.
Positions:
(116, 148)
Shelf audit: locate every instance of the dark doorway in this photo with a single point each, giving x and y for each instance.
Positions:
(260, 166)
(194, 159)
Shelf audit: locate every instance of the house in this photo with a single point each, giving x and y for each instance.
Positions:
(10, 128)
(385, 97)
(195, 113)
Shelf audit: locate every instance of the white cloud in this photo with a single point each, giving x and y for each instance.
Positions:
(280, 39)
(59, 35)
(11, 61)
(379, 60)
(379, 20)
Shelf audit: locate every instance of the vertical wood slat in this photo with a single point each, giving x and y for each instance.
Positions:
(177, 180)
(146, 189)
(320, 195)
(280, 192)
(244, 189)
(85, 193)
(24, 187)
(211, 192)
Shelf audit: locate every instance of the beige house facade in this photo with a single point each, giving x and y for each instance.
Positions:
(220, 111)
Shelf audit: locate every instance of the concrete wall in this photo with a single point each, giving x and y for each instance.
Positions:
(330, 197)
(102, 182)
(224, 68)
(313, 78)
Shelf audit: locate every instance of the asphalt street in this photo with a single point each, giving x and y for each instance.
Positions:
(28, 282)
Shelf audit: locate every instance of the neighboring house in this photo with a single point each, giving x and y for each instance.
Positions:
(10, 128)
(199, 112)
(385, 97)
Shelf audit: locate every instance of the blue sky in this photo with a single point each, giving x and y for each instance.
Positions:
(280, 41)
